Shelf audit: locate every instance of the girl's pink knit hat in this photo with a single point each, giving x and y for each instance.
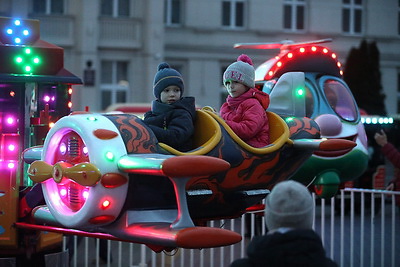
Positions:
(241, 71)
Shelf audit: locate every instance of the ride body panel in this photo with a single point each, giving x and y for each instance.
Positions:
(337, 114)
(108, 173)
(249, 171)
(329, 102)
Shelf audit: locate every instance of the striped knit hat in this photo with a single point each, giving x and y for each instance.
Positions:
(165, 77)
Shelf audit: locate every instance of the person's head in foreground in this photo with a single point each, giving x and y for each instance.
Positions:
(289, 205)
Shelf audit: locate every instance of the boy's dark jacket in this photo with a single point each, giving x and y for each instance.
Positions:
(295, 248)
(173, 124)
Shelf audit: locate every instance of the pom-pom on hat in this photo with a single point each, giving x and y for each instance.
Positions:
(290, 205)
(165, 77)
(241, 71)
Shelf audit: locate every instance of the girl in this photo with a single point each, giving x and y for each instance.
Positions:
(245, 107)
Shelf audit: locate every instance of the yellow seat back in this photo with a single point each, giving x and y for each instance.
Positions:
(278, 130)
(206, 136)
(208, 133)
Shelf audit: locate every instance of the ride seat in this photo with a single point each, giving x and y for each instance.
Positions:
(278, 132)
(207, 135)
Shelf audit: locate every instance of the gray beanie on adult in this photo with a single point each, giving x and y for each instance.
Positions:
(289, 204)
(241, 71)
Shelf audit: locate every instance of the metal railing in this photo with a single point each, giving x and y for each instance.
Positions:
(357, 228)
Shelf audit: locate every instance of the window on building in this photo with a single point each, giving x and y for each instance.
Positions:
(352, 16)
(233, 13)
(294, 15)
(115, 8)
(114, 83)
(223, 92)
(398, 19)
(398, 90)
(48, 6)
(173, 12)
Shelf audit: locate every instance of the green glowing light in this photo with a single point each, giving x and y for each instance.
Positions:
(289, 119)
(300, 92)
(91, 119)
(29, 59)
(110, 156)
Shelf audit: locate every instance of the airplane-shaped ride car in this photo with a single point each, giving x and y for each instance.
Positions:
(108, 174)
(329, 102)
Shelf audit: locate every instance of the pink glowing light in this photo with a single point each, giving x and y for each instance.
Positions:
(11, 147)
(10, 120)
(63, 192)
(63, 148)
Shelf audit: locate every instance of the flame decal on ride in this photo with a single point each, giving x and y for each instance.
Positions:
(303, 128)
(137, 138)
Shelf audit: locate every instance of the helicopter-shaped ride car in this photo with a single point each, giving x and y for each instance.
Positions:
(107, 174)
(329, 102)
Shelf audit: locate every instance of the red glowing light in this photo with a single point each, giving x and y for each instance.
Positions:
(70, 104)
(302, 50)
(325, 50)
(279, 64)
(339, 65)
(290, 55)
(105, 204)
(70, 91)
(313, 49)
(333, 55)
(12, 93)
(270, 73)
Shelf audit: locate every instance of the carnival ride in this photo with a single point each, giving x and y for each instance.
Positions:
(107, 176)
(329, 102)
(108, 173)
(35, 91)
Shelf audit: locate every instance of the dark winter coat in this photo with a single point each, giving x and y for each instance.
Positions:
(247, 117)
(294, 248)
(393, 155)
(173, 124)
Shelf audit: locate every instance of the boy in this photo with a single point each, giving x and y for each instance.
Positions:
(172, 116)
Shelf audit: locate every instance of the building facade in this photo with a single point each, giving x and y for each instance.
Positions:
(115, 46)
